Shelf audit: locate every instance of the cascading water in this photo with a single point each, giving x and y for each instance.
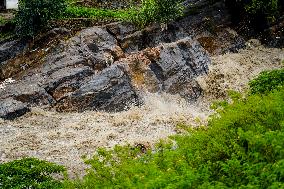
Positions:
(65, 137)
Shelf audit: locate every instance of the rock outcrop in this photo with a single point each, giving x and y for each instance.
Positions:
(10, 49)
(110, 90)
(108, 68)
(11, 109)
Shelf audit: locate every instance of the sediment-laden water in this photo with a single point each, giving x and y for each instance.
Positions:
(65, 137)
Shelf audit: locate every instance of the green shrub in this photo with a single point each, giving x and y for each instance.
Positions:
(2, 21)
(267, 81)
(257, 11)
(242, 147)
(160, 11)
(33, 15)
(29, 173)
(270, 8)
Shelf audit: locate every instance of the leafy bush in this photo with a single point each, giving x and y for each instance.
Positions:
(259, 11)
(161, 11)
(268, 7)
(2, 21)
(33, 15)
(243, 147)
(29, 173)
(267, 81)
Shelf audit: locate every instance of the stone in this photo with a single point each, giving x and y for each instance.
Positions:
(179, 64)
(253, 43)
(11, 109)
(95, 71)
(111, 90)
(150, 37)
(11, 4)
(27, 92)
(66, 80)
(10, 49)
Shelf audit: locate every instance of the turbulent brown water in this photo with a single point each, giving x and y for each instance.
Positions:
(64, 137)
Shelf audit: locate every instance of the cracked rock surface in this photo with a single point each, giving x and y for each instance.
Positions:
(110, 67)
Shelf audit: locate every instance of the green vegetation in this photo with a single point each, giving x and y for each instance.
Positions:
(2, 21)
(267, 81)
(150, 11)
(85, 12)
(7, 26)
(159, 11)
(33, 15)
(268, 10)
(29, 173)
(242, 147)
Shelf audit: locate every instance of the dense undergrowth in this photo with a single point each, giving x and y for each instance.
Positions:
(242, 147)
(267, 81)
(33, 16)
(29, 173)
(256, 14)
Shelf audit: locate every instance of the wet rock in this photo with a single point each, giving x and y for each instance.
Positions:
(139, 71)
(208, 24)
(54, 64)
(11, 109)
(179, 64)
(96, 45)
(111, 90)
(10, 49)
(274, 35)
(253, 43)
(27, 92)
(52, 35)
(66, 80)
(170, 67)
(133, 40)
(94, 70)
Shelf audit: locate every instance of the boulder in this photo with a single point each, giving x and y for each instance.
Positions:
(111, 90)
(10, 49)
(66, 80)
(11, 109)
(28, 92)
(96, 45)
(169, 67)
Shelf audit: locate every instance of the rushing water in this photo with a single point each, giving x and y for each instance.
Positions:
(64, 137)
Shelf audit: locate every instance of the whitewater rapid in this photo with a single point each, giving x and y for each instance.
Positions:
(64, 138)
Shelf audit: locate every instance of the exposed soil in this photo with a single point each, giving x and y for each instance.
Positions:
(65, 137)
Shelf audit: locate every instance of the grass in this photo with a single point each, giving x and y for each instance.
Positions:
(95, 13)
